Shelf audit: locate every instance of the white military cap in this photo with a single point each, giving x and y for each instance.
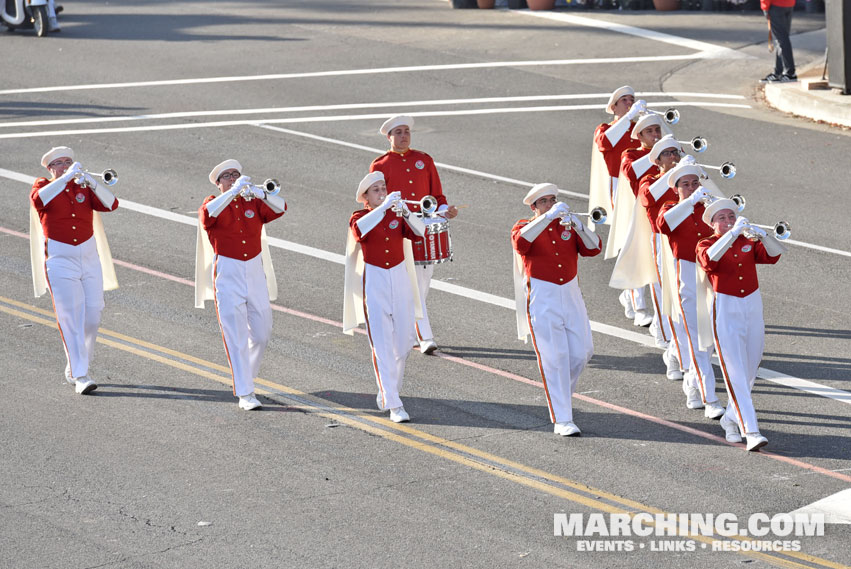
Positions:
(620, 92)
(683, 170)
(717, 206)
(395, 121)
(367, 182)
(229, 164)
(646, 120)
(664, 143)
(56, 152)
(538, 191)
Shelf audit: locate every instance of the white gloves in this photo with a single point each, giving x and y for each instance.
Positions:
(688, 159)
(637, 108)
(256, 192)
(739, 226)
(576, 222)
(390, 200)
(757, 232)
(559, 209)
(698, 195)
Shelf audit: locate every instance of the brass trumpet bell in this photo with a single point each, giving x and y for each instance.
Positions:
(672, 116)
(782, 230)
(109, 177)
(272, 187)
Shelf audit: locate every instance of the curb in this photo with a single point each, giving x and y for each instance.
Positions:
(790, 98)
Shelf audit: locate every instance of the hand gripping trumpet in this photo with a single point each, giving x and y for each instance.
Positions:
(782, 230)
(727, 169)
(595, 216)
(108, 176)
(428, 205)
(271, 187)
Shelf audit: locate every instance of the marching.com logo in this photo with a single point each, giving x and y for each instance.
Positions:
(759, 532)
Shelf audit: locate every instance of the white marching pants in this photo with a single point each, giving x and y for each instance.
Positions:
(75, 279)
(389, 309)
(739, 332)
(561, 336)
(702, 376)
(637, 298)
(664, 323)
(245, 316)
(423, 326)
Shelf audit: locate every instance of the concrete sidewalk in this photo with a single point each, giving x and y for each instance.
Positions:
(810, 97)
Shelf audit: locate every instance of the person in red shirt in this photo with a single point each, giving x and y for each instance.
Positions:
(555, 312)
(381, 229)
(233, 222)
(65, 210)
(413, 174)
(682, 222)
(634, 164)
(779, 14)
(729, 258)
(613, 138)
(653, 192)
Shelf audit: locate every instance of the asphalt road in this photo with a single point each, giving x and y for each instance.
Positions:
(159, 468)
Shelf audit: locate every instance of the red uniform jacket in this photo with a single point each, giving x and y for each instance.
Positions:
(685, 236)
(553, 256)
(735, 272)
(627, 159)
(612, 153)
(68, 216)
(647, 200)
(382, 245)
(412, 173)
(235, 232)
(766, 4)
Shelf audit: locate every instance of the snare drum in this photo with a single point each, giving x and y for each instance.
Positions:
(436, 246)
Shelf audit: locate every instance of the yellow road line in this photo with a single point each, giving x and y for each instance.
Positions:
(356, 418)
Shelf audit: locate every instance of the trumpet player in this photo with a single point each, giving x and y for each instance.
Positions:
(384, 296)
(549, 303)
(648, 129)
(66, 234)
(611, 140)
(683, 223)
(729, 258)
(413, 174)
(653, 192)
(233, 222)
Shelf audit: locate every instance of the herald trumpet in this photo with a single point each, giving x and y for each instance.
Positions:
(727, 169)
(782, 230)
(428, 205)
(272, 187)
(698, 143)
(108, 176)
(596, 216)
(671, 116)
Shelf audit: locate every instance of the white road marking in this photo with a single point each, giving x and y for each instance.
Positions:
(350, 106)
(642, 339)
(836, 508)
(337, 118)
(706, 50)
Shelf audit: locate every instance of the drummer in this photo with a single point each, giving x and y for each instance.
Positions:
(413, 174)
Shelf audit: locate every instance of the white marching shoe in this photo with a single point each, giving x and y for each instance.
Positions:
(713, 410)
(84, 385)
(399, 415)
(672, 371)
(626, 302)
(731, 430)
(643, 318)
(755, 441)
(693, 398)
(566, 429)
(249, 402)
(428, 347)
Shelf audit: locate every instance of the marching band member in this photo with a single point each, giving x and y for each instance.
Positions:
(653, 191)
(385, 297)
(241, 271)
(413, 174)
(70, 256)
(611, 140)
(729, 258)
(648, 129)
(682, 222)
(552, 310)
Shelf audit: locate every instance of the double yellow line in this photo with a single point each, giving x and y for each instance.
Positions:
(540, 480)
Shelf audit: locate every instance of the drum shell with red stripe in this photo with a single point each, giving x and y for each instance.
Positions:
(436, 246)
